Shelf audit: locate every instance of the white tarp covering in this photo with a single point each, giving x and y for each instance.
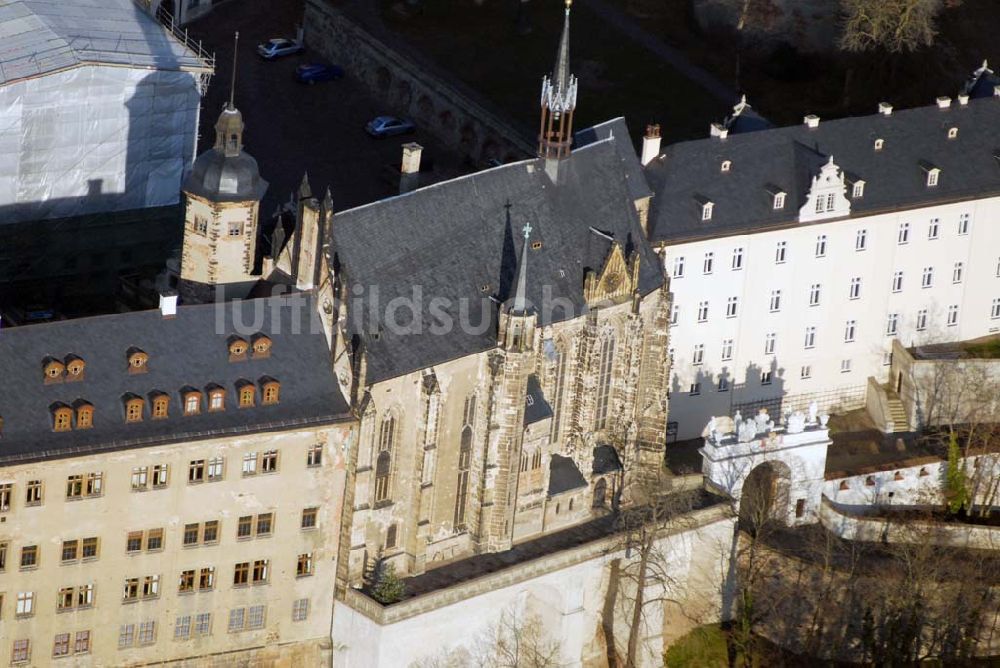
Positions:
(95, 138)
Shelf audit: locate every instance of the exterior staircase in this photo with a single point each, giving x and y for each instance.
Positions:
(896, 412)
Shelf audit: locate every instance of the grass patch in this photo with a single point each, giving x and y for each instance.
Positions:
(703, 647)
(985, 349)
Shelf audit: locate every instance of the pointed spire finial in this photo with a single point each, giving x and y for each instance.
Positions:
(305, 191)
(328, 199)
(520, 304)
(232, 83)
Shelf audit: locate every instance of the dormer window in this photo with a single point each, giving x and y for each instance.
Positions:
(879, 144)
(160, 405)
(74, 368)
(933, 174)
(269, 391)
(62, 417)
(137, 361)
(261, 346)
(706, 210)
(216, 398)
(192, 401)
(247, 394)
(779, 201)
(134, 407)
(952, 133)
(84, 414)
(727, 165)
(237, 349)
(53, 370)
(858, 190)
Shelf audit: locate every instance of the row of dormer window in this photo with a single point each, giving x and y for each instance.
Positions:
(71, 368)
(80, 415)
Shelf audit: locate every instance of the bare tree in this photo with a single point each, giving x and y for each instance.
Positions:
(891, 25)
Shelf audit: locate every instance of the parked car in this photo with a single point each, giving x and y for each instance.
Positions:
(278, 47)
(387, 126)
(310, 73)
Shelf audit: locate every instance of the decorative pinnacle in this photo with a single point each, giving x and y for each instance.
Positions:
(232, 84)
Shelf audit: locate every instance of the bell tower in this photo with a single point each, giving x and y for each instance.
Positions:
(221, 200)
(558, 102)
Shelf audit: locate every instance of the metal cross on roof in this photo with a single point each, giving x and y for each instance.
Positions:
(527, 230)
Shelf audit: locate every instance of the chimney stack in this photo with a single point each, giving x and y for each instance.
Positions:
(719, 130)
(410, 169)
(650, 144)
(812, 121)
(168, 304)
(943, 102)
(885, 108)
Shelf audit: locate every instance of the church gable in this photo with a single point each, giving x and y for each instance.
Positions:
(616, 280)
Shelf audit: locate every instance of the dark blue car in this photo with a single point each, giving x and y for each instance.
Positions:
(314, 72)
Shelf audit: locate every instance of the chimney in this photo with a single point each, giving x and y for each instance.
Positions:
(812, 120)
(885, 108)
(719, 130)
(650, 144)
(943, 102)
(410, 169)
(963, 99)
(168, 304)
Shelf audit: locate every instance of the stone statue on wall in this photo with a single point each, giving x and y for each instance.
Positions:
(813, 412)
(796, 423)
(746, 431)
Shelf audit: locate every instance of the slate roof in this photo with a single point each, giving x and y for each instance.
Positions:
(536, 406)
(788, 158)
(190, 349)
(606, 460)
(564, 475)
(458, 241)
(617, 129)
(41, 36)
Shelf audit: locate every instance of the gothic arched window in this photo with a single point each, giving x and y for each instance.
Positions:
(464, 463)
(383, 463)
(604, 380)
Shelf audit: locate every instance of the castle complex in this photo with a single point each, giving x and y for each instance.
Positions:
(468, 383)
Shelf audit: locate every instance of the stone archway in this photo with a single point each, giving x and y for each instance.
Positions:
(764, 498)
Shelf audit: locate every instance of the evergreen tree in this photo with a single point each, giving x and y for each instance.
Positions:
(956, 491)
(383, 584)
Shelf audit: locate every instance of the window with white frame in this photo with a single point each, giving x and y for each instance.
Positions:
(921, 320)
(821, 245)
(702, 311)
(706, 266)
(775, 301)
(933, 228)
(737, 262)
(699, 354)
(679, 267)
(779, 252)
(706, 210)
(731, 305)
(727, 350)
(995, 309)
(927, 278)
(933, 175)
(963, 223)
(861, 240)
(956, 272)
(953, 315)
(903, 235)
(897, 281)
(300, 609)
(855, 291)
(814, 294)
(766, 377)
(723, 385)
(850, 329)
(779, 201)
(845, 366)
(892, 324)
(769, 343)
(886, 358)
(675, 311)
(810, 337)
(859, 189)
(805, 372)
(695, 389)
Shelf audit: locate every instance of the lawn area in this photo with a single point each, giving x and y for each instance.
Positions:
(480, 45)
(988, 349)
(703, 647)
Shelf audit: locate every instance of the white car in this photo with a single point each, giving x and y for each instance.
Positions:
(278, 47)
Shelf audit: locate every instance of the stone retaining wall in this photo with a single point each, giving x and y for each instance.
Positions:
(412, 89)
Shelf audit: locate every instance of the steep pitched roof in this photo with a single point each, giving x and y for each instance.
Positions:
(617, 129)
(788, 157)
(459, 241)
(536, 406)
(190, 349)
(564, 475)
(41, 36)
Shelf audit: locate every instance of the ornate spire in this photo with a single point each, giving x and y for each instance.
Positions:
(305, 191)
(558, 101)
(520, 303)
(229, 127)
